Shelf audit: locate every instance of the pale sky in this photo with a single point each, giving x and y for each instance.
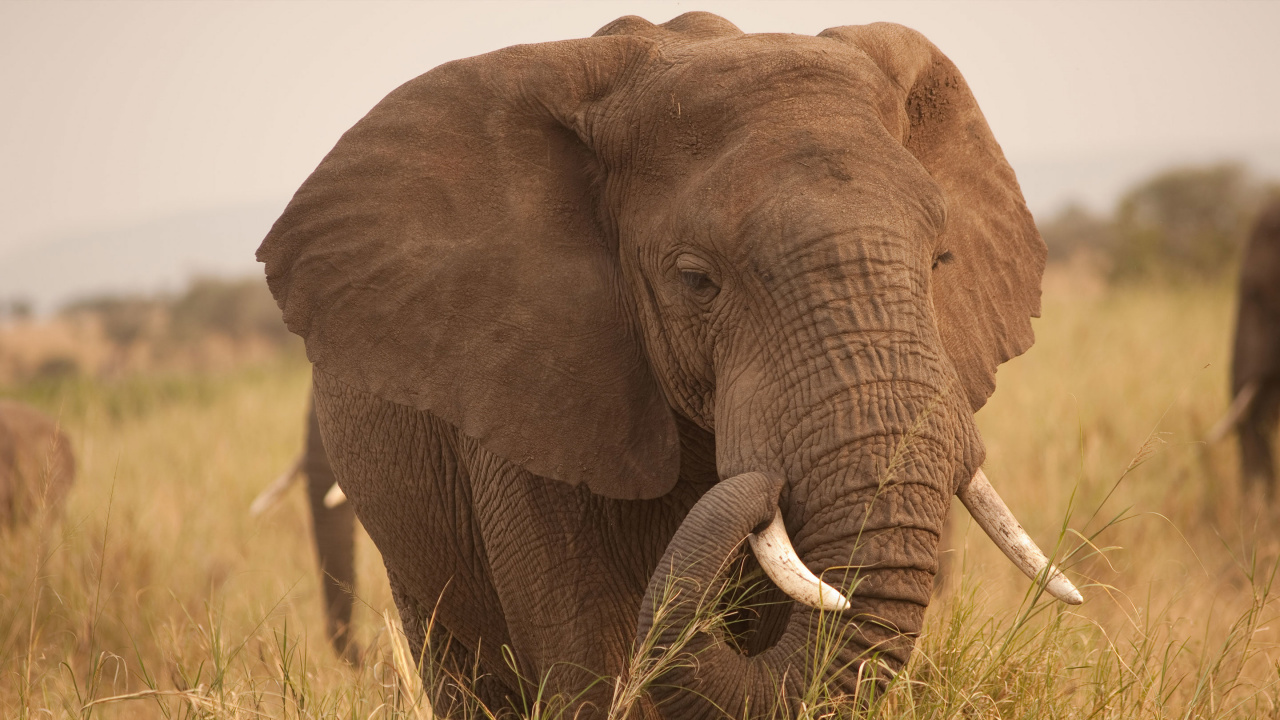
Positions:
(117, 113)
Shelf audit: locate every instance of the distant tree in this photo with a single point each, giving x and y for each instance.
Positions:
(56, 368)
(125, 319)
(20, 309)
(15, 309)
(1184, 223)
(1075, 230)
(1180, 224)
(235, 308)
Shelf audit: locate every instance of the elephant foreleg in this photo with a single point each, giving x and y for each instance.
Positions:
(1257, 430)
(335, 544)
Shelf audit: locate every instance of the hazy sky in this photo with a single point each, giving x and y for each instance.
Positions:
(118, 113)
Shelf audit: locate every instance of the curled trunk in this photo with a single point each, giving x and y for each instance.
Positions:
(702, 673)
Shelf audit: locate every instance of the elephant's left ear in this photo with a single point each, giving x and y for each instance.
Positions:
(451, 254)
(987, 294)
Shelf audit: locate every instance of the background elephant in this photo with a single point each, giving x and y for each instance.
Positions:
(1255, 363)
(585, 315)
(333, 528)
(36, 464)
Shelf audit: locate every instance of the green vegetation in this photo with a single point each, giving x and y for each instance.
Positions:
(158, 596)
(214, 325)
(1182, 224)
(236, 310)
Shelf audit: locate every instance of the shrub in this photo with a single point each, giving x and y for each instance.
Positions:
(1182, 224)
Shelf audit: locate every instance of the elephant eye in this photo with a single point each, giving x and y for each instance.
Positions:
(694, 280)
(942, 259)
(695, 273)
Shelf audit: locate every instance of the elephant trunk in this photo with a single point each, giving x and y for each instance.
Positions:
(696, 674)
(334, 531)
(845, 402)
(700, 672)
(862, 462)
(882, 567)
(876, 544)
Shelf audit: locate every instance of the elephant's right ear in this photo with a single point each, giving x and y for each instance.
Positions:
(450, 255)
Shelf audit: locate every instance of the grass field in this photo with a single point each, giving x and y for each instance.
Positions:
(158, 596)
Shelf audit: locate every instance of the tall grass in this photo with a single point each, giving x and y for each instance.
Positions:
(158, 596)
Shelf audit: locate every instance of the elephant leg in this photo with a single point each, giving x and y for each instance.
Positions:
(569, 568)
(334, 532)
(1257, 430)
(1256, 433)
(402, 474)
(452, 674)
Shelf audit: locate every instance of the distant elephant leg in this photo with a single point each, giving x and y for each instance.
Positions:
(335, 544)
(1257, 431)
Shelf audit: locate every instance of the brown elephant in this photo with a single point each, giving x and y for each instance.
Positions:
(586, 315)
(1255, 363)
(37, 467)
(333, 524)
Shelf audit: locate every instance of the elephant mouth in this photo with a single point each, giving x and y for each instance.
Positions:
(779, 560)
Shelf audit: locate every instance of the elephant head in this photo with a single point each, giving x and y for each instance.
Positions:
(810, 248)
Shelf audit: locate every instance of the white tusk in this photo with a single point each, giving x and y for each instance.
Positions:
(1239, 406)
(334, 497)
(778, 558)
(993, 516)
(273, 492)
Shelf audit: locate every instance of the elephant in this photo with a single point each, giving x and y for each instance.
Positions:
(1255, 363)
(588, 319)
(37, 467)
(333, 530)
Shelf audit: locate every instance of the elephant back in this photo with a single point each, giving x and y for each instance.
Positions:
(36, 464)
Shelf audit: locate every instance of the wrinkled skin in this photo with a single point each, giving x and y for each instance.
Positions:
(585, 314)
(36, 465)
(334, 533)
(1256, 357)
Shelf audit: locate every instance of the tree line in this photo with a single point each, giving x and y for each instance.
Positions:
(1182, 224)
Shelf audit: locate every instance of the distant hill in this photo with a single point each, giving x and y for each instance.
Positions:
(161, 255)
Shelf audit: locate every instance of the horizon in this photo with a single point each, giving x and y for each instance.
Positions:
(130, 115)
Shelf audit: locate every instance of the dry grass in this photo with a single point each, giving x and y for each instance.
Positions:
(159, 597)
(68, 346)
(158, 579)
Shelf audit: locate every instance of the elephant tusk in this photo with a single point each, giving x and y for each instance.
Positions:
(334, 497)
(993, 516)
(273, 492)
(779, 560)
(1239, 406)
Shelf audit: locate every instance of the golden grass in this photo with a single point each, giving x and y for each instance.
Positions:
(158, 596)
(158, 576)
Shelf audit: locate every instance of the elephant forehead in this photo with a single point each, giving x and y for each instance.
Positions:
(784, 190)
(766, 129)
(719, 86)
(738, 67)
